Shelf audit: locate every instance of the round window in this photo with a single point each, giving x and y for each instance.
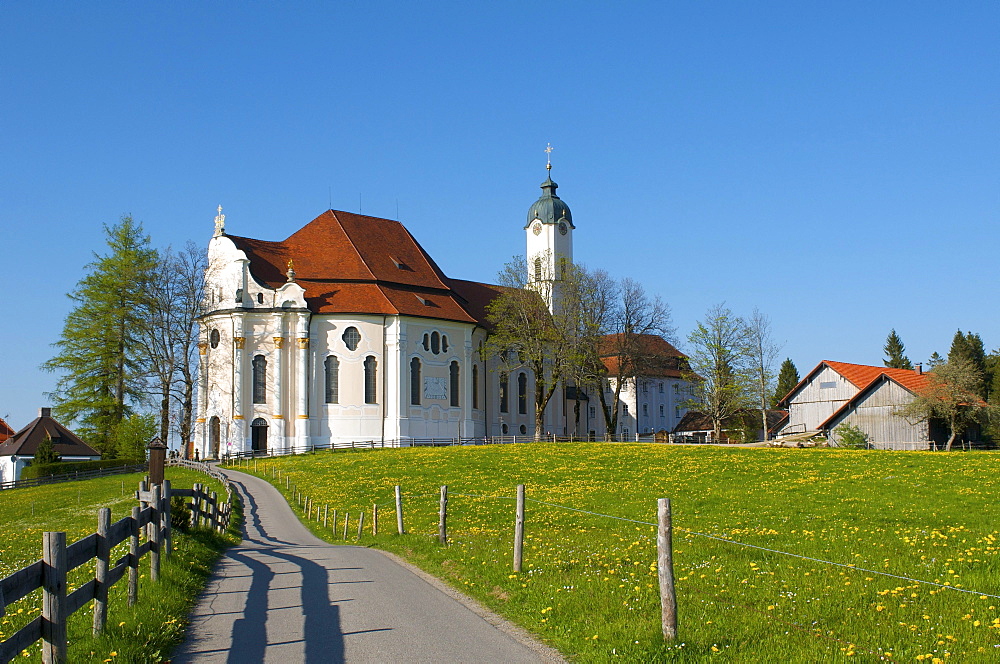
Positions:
(213, 338)
(524, 430)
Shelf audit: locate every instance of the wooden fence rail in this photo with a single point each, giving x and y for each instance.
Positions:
(58, 560)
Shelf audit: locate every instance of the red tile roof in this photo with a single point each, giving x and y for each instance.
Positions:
(351, 263)
(664, 360)
(5, 431)
(863, 375)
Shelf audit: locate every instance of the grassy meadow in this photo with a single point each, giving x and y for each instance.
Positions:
(590, 586)
(143, 633)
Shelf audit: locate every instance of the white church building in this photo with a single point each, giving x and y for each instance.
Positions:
(348, 332)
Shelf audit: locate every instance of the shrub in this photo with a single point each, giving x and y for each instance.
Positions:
(852, 437)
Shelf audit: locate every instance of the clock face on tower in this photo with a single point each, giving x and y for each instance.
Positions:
(563, 228)
(537, 228)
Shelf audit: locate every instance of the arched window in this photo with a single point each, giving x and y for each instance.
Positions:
(258, 436)
(415, 382)
(435, 343)
(213, 338)
(260, 298)
(453, 375)
(259, 379)
(351, 338)
(522, 393)
(503, 392)
(444, 344)
(427, 342)
(538, 269)
(332, 367)
(371, 366)
(475, 386)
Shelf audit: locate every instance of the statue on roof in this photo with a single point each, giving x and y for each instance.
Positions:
(220, 223)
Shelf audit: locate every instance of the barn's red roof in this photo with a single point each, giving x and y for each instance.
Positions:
(863, 375)
(5, 431)
(352, 263)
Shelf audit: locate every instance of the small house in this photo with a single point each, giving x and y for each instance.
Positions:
(18, 451)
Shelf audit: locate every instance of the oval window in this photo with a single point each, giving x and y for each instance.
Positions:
(213, 338)
(435, 343)
(352, 338)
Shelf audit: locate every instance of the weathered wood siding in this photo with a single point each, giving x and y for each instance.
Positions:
(814, 404)
(875, 414)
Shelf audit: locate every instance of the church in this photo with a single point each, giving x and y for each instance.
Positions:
(347, 332)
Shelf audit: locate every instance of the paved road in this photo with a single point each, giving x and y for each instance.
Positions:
(283, 595)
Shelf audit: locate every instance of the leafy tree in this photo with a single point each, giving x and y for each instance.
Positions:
(719, 356)
(631, 318)
(45, 452)
(788, 378)
(969, 348)
(895, 352)
(762, 351)
(851, 436)
(99, 354)
(951, 395)
(132, 435)
(527, 334)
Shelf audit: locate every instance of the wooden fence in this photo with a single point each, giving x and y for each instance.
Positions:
(58, 559)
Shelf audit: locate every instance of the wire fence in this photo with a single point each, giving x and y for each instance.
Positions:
(418, 502)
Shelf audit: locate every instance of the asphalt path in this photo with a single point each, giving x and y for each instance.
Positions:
(284, 595)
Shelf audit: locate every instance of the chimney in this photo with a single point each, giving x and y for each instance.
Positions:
(45, 412)
(919, 368)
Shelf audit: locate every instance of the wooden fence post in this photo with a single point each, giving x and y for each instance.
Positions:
(399, 511)
(154, 536)
(443, 516)
(375, 519)
(361, 523)
(347, 518)
(326, 514)
(133, 557)
(665, 569)
(195, 504)
(54, 598)
(333, 526)
(519, 529)
(167, 525)
(216, 523)
(101, 572)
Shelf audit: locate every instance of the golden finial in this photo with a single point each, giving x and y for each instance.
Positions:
(291, 271)
(220, 223)
(548, 157)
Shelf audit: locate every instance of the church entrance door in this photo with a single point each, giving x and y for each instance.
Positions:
(258, 436)
(214, 437)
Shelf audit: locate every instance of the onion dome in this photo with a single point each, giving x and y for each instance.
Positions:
(549, 208)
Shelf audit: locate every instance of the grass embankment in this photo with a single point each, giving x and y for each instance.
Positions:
(143, 633)
(590, 586)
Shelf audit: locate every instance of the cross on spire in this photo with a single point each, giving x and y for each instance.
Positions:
(548, 157)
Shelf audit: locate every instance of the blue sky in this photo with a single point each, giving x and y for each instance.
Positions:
(835, 164)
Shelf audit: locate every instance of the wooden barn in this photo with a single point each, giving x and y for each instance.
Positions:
(868, 397)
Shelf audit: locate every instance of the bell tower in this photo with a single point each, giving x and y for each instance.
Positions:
(549, 233)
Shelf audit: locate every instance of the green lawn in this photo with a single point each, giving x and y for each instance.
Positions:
(144, 633)
(589, 586)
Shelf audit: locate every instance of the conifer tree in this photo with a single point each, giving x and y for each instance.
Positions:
(895, 352)
(45, 453)
(99, 355)
(788, 378)
(968, 348)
